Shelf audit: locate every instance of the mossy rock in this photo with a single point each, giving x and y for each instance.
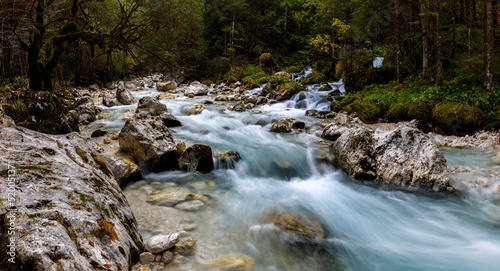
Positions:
(288, 90)
(368, 111)
(267, 63)
(342, 104)
(421, 110)
(314, 78)
(397, 112)
(453, 118)
(331, 95)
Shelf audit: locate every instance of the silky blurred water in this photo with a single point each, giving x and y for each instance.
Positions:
(367, 227)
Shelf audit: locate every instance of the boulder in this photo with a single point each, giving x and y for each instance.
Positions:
(238, 107)
(125, 171)
(196, 89)
(151, 105)
(160, 243)
(147, 257)
(197, 157)
(261, 101)
(70, 212)
(284, 74)
(286, 125)
(221, 98)
(109, 100)
(190, 206)
(169, 120)
(231, 262)
(85, 110)
(404, 156)
(166, 96)
(166, 86)
(195, 109)
(226, 159)
(123, 96)
(149, 141)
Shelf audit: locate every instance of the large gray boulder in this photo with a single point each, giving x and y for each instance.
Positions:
(124, 97)
(149, 141)
(70, 213)
(151, 105)
(403, 157)
(196, 88)
(197, 157)
(125, 171)
(195, 109)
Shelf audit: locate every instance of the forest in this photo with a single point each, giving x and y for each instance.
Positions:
(440, 57)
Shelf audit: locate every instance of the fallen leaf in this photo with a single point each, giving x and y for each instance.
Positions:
(107, 265)
(89, 210)
(77, 207)
(91, 243)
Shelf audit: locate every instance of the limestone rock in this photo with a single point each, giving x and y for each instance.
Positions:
(63, 180)
(147, 257)
(109, 100)
(195, 109)
(125, 171)
(169, 197)
(4, 119)
(192, 205)
(197, 157)
(170, 120)
(85, 110)
(299, 227)
(166, 86)
(151, 105)
(286, 125)
(160, 243)
(123, 96)
(149, 141)
(196, 89)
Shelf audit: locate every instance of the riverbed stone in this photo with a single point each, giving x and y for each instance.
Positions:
(196, 89)
(125, 171)
(147, 257)
(124, 97)
(231, 262)
(151, 105)
(191, 206)
(186, 247)
(297, 226)
(169, 197)
(166, 86)
(194, 109)
(85, 110)
(286, 125)
(160, 243)
(149, 141)
(60, 181)
(170, 120)
(197, 157)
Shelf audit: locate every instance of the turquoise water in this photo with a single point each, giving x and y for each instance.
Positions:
(368, 228)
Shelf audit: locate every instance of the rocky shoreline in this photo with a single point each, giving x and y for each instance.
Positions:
(71, 185)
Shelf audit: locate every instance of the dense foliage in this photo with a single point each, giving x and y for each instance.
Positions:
(431, 47)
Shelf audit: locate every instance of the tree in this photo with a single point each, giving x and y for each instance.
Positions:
(399, 53)
(490, 39)
(425, 39)
(437, 10)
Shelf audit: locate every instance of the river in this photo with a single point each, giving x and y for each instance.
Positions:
(367, 227)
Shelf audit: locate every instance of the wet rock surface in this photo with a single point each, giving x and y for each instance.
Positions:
(197, 157)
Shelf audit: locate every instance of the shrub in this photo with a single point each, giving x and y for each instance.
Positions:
(397, 112)
(357, 80)
(421, 110)
(367, 110)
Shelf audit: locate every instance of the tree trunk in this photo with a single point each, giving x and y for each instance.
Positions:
(437, 7)
(425, 40)
(36, 42)
(399, 56)
(490, 35)
(333, 32)
(453, 27)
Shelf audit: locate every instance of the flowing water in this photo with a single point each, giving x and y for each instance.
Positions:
(367, 228)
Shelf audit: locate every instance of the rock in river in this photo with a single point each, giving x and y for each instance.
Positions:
(166, 86)
(149, 141)
(160, 243)
(404, 156)
(196, 89)
(195, 109)
(151, 105)
(227, 159)
(286, 125)
(231, 262)
(70, 212)
(197, 157)
(124, 96)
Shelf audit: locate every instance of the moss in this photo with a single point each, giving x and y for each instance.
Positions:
(287, 90)
(106, 229)
(314, 78)
(101, 164)
(326, 87)
(421, 110)
(337, 107)
(368, 111)
(397, 112)
(453, 118)
(331, 95)
(82, 154)
(101, 208)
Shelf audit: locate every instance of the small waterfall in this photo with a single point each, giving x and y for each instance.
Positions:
(302, 74)
(377, 62)
(314, 98)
